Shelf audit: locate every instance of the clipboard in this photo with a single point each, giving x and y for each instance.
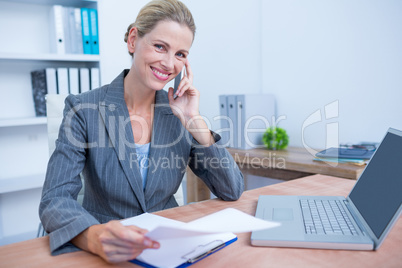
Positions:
(182, 244)
(197, 254)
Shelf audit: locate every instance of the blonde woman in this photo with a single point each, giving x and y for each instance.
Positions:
(132, 142)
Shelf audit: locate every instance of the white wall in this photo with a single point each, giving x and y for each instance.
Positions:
(310, 54)
(316, 52)
(226, 54)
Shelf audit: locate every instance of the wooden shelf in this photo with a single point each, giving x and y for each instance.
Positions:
(21, 183)
(78, 3)
(50, 57)
(29, 121)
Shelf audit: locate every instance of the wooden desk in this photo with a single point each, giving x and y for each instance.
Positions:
(35, 253)
(285, 165)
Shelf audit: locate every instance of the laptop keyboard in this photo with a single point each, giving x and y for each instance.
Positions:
(326, 217)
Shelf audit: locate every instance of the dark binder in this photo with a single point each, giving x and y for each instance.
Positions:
(39, 91)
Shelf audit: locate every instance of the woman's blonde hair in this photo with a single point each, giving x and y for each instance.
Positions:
(161, 10)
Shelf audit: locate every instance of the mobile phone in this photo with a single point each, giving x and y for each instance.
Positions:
(177, 83)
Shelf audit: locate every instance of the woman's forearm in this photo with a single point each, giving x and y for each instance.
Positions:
(199, 130)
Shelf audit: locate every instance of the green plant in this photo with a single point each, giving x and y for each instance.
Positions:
(275, 138)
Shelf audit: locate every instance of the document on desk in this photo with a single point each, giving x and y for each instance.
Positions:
(185, 243)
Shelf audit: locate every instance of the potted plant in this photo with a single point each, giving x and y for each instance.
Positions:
(275, 138)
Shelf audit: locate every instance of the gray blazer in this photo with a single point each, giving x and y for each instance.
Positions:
(96, 139)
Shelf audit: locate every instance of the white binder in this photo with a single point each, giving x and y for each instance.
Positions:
(232, 114)
(255, 113)
(84, 80)
(73, 81)
(51, 81)
(57, 38)
(95, 83)
(226, 126)
(73, 30)
(62, 81)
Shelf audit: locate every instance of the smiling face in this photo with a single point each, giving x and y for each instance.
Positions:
(160, 55)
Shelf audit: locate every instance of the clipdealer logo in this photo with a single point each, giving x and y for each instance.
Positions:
(331, 111)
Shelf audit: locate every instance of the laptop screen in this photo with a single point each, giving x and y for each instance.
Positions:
(378, 192)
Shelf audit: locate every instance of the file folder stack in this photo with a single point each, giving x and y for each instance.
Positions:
(244, 119)
(89, 18)
(61, 81)
(74, 30)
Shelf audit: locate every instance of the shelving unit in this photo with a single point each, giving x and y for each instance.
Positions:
(22, 183)
(50, 57)
(28, 48)
(74, 3)
(23, 136)
(17, 122)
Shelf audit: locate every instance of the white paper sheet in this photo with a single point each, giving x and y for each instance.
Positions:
(230, 220)
(226, 220)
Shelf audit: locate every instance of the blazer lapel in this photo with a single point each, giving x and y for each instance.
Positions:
(160, 138)
(117, 123)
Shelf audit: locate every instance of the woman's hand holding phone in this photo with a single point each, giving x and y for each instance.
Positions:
(186, 108)
(186, 104)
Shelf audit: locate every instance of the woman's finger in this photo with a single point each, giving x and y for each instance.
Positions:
(119, 257)
(170, 94)
(123, 257)
(140, 234)
(125, 236)
(111, 250)
(183, 86)
(138, 229)
(189, 72)
(122, 243)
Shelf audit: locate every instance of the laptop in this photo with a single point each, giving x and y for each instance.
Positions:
(361, 221)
